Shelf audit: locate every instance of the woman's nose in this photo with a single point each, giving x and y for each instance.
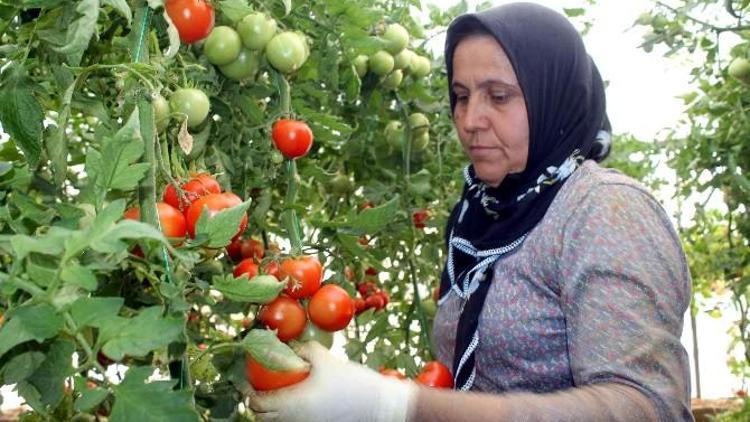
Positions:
(474, 116)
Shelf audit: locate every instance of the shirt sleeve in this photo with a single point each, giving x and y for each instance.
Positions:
(624, 287)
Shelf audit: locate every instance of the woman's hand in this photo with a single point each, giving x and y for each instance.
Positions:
(337, 390)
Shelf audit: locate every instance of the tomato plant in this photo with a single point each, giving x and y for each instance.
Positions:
(264, 379)
(436, 375)
(292, 137)
(194, 19)
(331, 308)
(286, 316)
(303, 274)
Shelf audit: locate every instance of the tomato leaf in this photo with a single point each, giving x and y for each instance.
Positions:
(185, 139)
(79, 276)
(21, 366)
(118, 167)
(174, 37)
(139, 401)
(259, 289)
(139, 335)
(235, 10)
(50, 243)
(121, 7)
(370, 220)
(80, 31)
(35, 322)
(269, 351)
(222, 226)
(90, 398)
(379, 329)
(21, 115)
(49, 378)
(92, 311)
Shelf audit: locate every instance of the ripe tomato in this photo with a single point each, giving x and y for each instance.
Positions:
(366, 288)
(272, 268)
(264, 379)
(286, 316)
(171, 220)
(435, 374)
(246, 266)
(256, 30)
(331, 308)
(376, 302)
(419, 217)
(194, 19)
(371, 271)
(192, 104)
(287, 52)
(241, 248)
(199, 185)
(305, 275)
(222, 46)
(215, 202)
(396, 38)
(292, 137)
(388, 372)
(359, 305)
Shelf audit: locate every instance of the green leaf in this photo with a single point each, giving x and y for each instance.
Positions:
(270, 352)
(21, 115)
(287, 6)
(139, 335)
(21, 366)
(92, 311)
(49, 244)
(235, 10)
(80, 276)
(119, 154)
(80, 31)
(222, 226)
(49, 378)
(121, 6)
(259, 289)
(574, 12)
(90, 398)
(35, 322)
(370, 220)
(139, 401)
(377, 330)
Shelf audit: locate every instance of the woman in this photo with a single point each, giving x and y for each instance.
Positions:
(565, 286)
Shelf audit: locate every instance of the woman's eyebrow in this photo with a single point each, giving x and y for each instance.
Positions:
(486, 84)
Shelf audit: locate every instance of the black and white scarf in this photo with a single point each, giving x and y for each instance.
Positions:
(565, 103)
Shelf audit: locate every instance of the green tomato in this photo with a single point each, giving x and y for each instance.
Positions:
(402, 60)
(420, 141)
(381, 63)
(161, 112)
(277, 157)
(190, 103)
(222, 46)
(739, 69)
(396, 38)
(420, 66)
(429, 307)
(340, 184)
(256, 30)
(287, 52)
(360, 65)
(245, 67)
(394, 134)
(312, 332)
(393, 80)
(418, 123)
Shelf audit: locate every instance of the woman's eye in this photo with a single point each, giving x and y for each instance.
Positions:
(500, 98)
(461, 97)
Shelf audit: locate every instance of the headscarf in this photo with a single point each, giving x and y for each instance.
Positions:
(565, 103)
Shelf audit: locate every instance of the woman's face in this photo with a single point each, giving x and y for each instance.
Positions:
(490, 114)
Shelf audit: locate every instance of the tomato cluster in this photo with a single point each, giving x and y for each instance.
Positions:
(371, 297)
(434, 374)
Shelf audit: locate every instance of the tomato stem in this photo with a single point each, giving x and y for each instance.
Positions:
(291, 221)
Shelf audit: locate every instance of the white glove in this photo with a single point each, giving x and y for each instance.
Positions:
(337, 390)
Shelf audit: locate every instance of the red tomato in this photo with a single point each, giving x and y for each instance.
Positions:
(305, 275)
(366, 288)
(376, 302)
(286, 316)
(371, 271)
(292, 137)
(199, 185)
(359, 305)
(215, 202)
(331, 308)
(171, 220)
(388, 372)
(194, 19)
(241, 248)
(272, 268)
(419, 218)
(246, 266)
(264, 379)
(435, 374)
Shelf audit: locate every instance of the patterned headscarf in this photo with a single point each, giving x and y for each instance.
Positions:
(565, 103)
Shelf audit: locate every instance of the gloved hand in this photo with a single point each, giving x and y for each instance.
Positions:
(337, 390)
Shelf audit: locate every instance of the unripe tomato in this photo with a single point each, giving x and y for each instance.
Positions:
(360, 65)
(286, 316)
(402, 60)
(331, 308)
(739, 69)
(393, 373)
(161, 112)
(418, 123)
(192, 104)
(396, 38)
(394, 134)
(419, 142)
(215, 202)
(246, 266)
(420, 66)
(341, 184)
(393, 80)
(171, 220)
(222, 46)
(199, 185)
(264, 379)
(256, 30)
(313, 333)
(381, 63)
(436, 375)
(292, 137)
(194, 19)
(244, 67)
(305, 274)
(287, 52)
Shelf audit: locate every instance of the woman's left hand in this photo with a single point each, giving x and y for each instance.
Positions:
(336, 390)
